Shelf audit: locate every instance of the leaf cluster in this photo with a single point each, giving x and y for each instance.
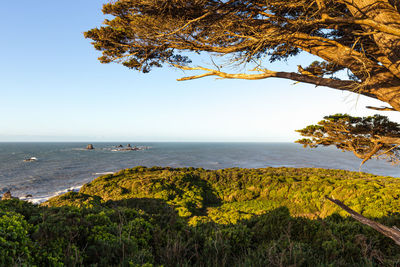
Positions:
(144, 34)
(367, 137)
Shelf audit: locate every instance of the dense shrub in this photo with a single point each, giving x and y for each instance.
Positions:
(247, 192)
(15, 244)
(194, 217)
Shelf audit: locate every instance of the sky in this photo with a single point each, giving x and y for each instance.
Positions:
(53, 88)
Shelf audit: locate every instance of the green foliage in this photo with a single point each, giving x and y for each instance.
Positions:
(15, 245)
(229, 195)
(183, 189)
(367, 137)
(74, 199)
(237, 217)
(143, 35)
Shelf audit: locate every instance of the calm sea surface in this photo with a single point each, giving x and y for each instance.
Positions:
(66, 166)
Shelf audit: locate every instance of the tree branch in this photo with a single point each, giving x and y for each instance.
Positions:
(368, 156)
(381, 108)
(344, 85)
(385, 16)
(363, 22)
(186, 25)
(392, 233)
(388, 140)
(327, 49)
(335, 52)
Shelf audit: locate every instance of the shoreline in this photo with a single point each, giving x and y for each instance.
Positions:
(74, 188)
(65, 167)
(40, 199)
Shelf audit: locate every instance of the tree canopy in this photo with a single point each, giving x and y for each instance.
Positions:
(357, 37)
(360, 38)
(367, 137)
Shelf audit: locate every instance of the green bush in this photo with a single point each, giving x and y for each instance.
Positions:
(15, 244)
(195, 217)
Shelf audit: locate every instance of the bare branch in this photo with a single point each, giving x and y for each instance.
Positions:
(318, 81)
(392, 233)
(381, 108)
(184, 26)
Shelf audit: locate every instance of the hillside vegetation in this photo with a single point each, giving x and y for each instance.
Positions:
(186, 216)
(228, 195)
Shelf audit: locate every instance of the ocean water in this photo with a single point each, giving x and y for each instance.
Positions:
(62, 167)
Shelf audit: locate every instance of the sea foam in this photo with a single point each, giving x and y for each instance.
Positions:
(41, 199)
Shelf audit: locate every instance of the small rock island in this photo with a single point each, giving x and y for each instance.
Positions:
(7, 195)
(129, 147)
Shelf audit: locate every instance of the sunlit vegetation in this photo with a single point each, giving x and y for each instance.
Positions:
(184, 217)
(214, 193)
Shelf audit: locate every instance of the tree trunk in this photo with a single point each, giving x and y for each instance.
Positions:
(381, 12)
(386, 88)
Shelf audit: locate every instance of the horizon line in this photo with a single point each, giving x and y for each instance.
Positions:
(149, 141)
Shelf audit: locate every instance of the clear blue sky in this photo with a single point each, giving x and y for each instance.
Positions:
(54, 89)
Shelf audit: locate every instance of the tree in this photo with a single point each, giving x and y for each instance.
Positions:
(360, 37)
(367, 137)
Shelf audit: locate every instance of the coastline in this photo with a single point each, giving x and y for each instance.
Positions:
(249, 213)
(76, 188)
(63, 167)
(41, 199)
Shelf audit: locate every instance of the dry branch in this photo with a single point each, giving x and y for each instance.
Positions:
(392, 233)
(381, 108)
(346, 85)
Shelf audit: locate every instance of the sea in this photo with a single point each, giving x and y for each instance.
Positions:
(63, 167)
